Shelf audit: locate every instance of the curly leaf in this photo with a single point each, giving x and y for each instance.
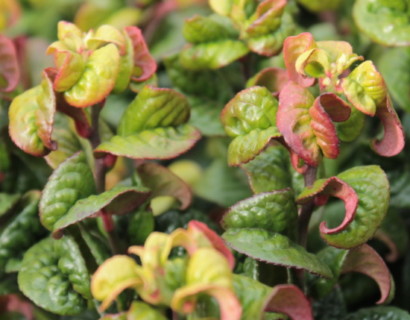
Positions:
(365, 88)
(350, 129)
(385, 22)
(98, 78)
(114, 276)
(71, 181)
(290, 300)
(159, 143)
(19, 233)
(293, 47)
(153, 108)
(250, 117)
(274, 79)
(54, 276)
(144, 64)
(267, 18)
(31, 117)
(364, 259)
(274, 248)
(118, 200)
(379, 313)
(163, 182)
(274, 211)
(313, 63)
(106, 34)
(142, 311)
(9, 69)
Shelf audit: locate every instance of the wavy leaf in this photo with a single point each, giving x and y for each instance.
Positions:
(118, 200)
(274, 248)
(31, 117)
(384, 22)
(71, 181)
(54, 276)
(272, 211)
(266, 18)
(159, 143)
(9, 69)
(98, 78)
(163, 182)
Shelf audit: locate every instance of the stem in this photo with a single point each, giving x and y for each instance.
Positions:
(307, 208)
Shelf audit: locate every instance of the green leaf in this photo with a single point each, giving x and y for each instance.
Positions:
(153, 108)
(98, 78)
(71, 181)
(272, 211)
(142, 311)
(159, 143)
(351, 129)
(379, 313)
(118, 200)
(222, 7)
(7, 202)
(31, 117)
(385, 22)
(320, 5)
(140, 225)
(274, 248)
(205, 116)
(393, 64)
(54, 276)
(212, 55)
(21, 231)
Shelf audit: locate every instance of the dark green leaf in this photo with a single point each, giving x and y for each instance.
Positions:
(140, 225)
(379, 313)
(7, 202)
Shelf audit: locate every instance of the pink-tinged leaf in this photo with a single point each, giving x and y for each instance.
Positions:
(364, 259)
(293, 47)
(163, 182)
(335, 107)
(31, 117)
(290, 300)
(268, 17)
(335, 187)
(393, 140)
(9, 68)
(274, 79)
(144, 64)
(215, 240)
(297, 163)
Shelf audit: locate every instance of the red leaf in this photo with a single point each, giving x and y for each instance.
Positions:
(290, 300)
(293, 47)
(143, 60)
(393, 140)
(9, 69)
(364, 259)
(335, 107)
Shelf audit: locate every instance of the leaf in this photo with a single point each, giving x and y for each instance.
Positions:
(379, 313)
(205, 116)
(153, 108)
(31, 117)
(384, 22)
(163, 182)
(221, 7)
(320, 5)
(54, 276)
(159, 143)
(144, 64)
(272, 211)
(9, 69)
(7, 202)
(393, 64)
(118, 200)
(351, 129)
(250, 117)
(142, 311)
(71, 181)
(365, 88)
(274, 79)
(98, 78)
(364, 259)
(372, 188)
(290, 300)
(274, 248)
(293, 47)
(21, 231)
(306, 124)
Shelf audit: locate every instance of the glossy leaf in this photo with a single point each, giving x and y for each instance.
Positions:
(384, 22)
(153, 108)
(364, 259)
(379, 313)
(142, 311)
(9, 69)
(54, 276)
(163, 182)
(98, 78)
(118, 200)
(71, 181)
(266, 18)
(272, 211)
(31, 117)
(365, 88)
(274, 248)
(159, 143)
